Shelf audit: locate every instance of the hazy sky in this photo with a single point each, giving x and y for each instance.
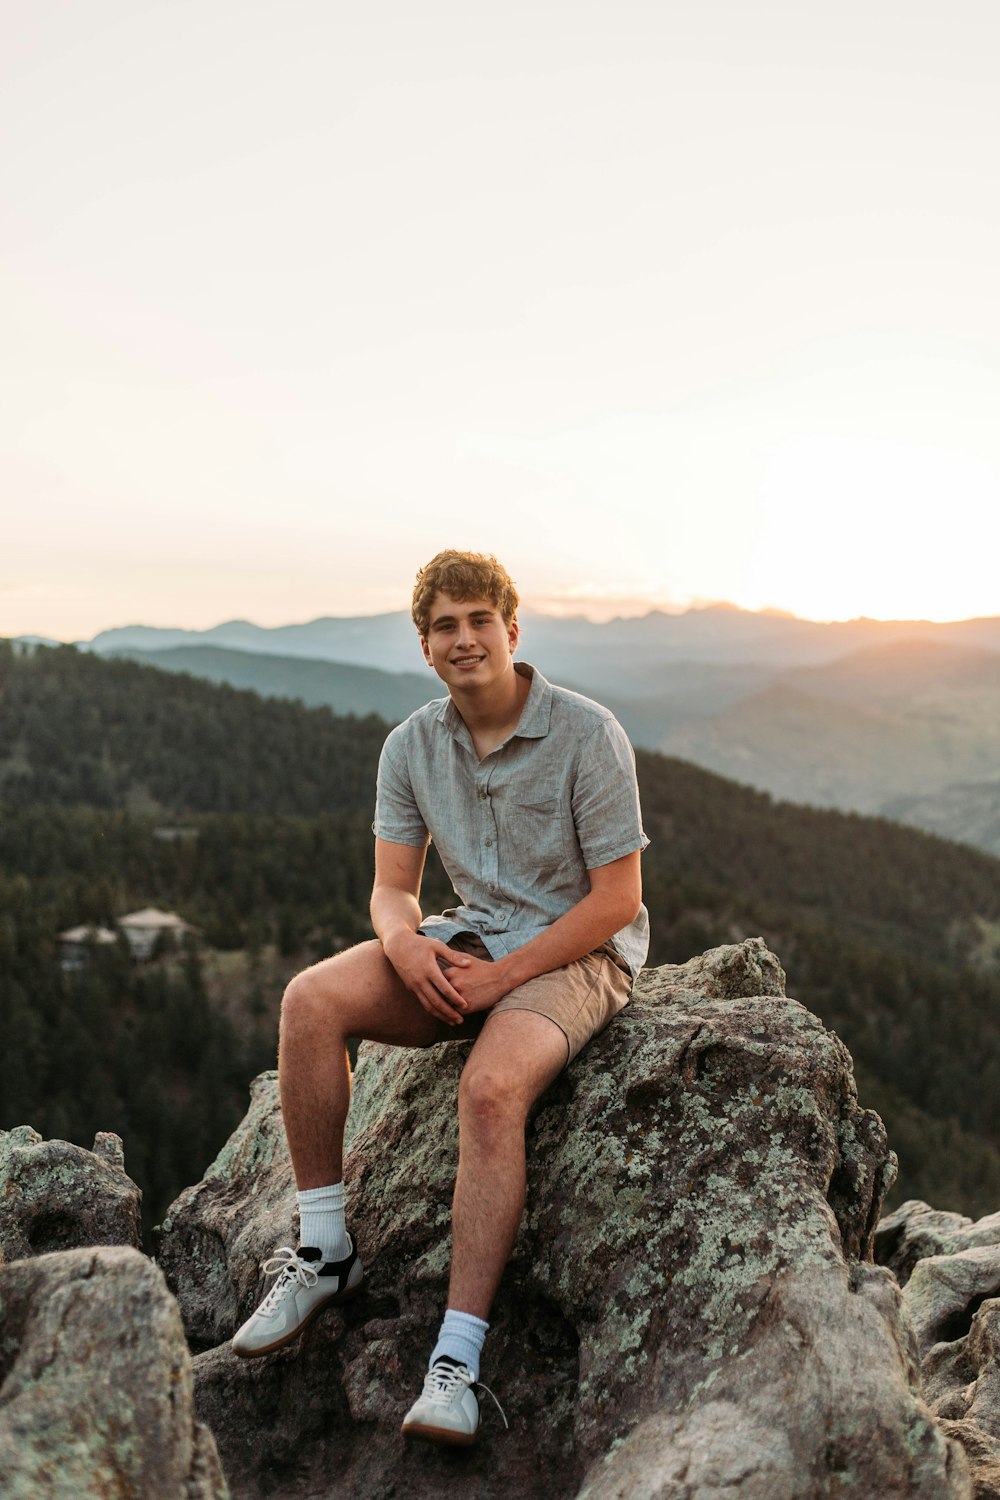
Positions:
(676, 301)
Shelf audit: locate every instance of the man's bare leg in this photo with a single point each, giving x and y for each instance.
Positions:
(517, 1056)
(356, 994)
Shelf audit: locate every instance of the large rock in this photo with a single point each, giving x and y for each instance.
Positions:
(56, 1196)
(95, 1384)
(915, 1231)
(689, 1312)
(945, 1292)
(951, 1270)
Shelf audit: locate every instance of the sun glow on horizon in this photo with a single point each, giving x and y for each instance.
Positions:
(854, 527)
(637, 608)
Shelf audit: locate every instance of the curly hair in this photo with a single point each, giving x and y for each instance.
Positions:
(463, 575)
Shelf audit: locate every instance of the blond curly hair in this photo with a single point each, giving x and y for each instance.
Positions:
(463, 575)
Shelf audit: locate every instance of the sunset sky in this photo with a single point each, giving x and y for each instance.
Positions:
(661, 302)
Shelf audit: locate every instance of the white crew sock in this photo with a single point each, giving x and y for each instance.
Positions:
(462, 1337)
(321, 1221)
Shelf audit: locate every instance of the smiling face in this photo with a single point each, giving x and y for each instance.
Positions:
(468, 643)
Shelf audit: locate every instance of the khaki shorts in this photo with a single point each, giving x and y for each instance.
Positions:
(581, 998)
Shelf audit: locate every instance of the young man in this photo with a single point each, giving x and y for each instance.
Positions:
(529, 793)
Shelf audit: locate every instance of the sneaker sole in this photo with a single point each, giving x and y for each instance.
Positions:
(439, 1435)
(336, 1300)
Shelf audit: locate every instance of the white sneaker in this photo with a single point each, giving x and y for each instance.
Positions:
(447, 1409)
(305, 1285)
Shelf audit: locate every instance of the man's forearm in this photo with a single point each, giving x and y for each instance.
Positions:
(577, 932)
(392, 911)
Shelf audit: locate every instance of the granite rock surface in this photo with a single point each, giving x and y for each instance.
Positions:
(96, 1395)
(56, 1196)
(951, 1270)
(915, 1231)
(690, 1312)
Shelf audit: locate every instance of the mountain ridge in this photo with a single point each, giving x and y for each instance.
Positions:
(892, 729)
(729, 634)
(340, 686)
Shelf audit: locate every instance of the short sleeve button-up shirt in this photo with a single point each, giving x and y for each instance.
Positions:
(518, 830)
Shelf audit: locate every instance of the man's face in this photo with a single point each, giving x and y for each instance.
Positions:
(467, 642)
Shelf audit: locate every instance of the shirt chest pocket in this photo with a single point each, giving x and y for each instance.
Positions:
(533, 834)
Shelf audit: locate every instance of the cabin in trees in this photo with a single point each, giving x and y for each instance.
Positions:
(76, 942)
(144, 931)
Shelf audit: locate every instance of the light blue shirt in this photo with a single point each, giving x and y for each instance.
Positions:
(518, 830)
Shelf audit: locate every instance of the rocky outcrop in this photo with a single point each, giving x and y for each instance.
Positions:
(950, 1268)
(95, 1384)
(55, 1196)
(689, 1312)
(915, 1231)
(96, 1390)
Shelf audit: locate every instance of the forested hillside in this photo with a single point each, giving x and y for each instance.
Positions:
(888, 934)
(78, 729)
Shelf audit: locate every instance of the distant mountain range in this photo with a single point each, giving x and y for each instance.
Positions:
(889, 729)
(893, 717)
(615, 652)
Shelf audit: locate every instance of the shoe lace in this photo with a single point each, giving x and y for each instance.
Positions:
(442, 1381)
(291, 1270)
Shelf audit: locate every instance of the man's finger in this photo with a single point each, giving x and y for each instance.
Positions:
(435, 1004)
(450, 957)
(445, 988)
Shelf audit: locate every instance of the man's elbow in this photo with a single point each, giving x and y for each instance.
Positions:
(619, 886)
(627, 907)
(634, 908)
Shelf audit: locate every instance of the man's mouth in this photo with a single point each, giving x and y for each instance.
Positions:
(467, 661)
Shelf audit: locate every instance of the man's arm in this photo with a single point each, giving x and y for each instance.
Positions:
(396, 915)
(612, 902)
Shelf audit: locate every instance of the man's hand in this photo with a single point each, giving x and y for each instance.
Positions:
(426, 967)
(481, 983)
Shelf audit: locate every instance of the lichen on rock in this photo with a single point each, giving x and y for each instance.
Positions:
(95, 1384)
(57, 1196)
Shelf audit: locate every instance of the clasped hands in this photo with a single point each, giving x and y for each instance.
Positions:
(449, 985)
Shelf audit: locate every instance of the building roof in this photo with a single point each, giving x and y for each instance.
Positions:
(151, 917)
(87, 935)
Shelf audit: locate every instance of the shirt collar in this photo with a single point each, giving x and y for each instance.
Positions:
(535, 715)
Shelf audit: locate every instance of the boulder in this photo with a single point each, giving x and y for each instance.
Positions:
(95, 1383)
(945, 1291)
(689, 1312)
(915, 1230)
(951, 1269)
(56, 1196)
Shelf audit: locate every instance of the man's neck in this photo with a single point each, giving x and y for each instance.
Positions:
(491, 715)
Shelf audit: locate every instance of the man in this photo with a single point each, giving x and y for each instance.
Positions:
(529, 792)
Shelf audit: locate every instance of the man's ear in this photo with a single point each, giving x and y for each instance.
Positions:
(426, 650)
(513, 633)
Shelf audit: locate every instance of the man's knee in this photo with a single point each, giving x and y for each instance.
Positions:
(309, 999)
(487, 1096)
(339, 995)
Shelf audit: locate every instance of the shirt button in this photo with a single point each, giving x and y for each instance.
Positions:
(489, 843)
(483, 794)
